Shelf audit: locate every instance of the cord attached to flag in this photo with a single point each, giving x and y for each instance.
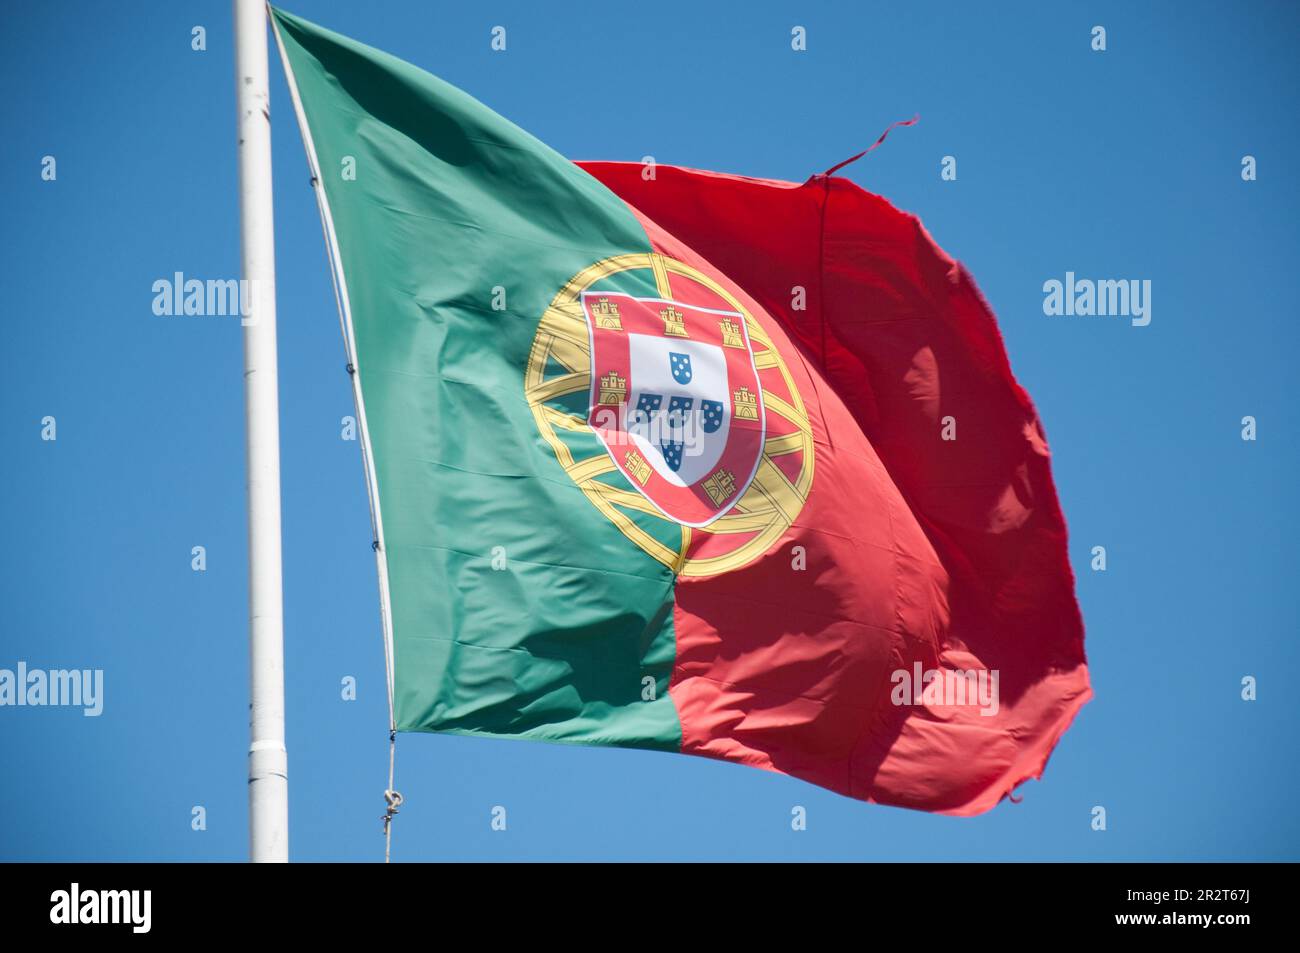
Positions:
(835, 168)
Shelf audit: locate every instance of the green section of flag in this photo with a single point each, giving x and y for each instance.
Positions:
(450, 202)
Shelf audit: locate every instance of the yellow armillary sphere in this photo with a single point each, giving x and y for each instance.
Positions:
(699, 517)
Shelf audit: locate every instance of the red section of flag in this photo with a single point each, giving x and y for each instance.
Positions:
(922, 557)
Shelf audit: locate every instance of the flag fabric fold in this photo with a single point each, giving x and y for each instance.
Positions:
(685, 461)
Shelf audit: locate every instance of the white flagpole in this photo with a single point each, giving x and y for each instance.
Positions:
(268, 784)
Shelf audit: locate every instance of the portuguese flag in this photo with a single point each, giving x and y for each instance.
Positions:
(685, 461)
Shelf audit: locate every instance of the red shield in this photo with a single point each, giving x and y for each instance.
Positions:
(676, 400)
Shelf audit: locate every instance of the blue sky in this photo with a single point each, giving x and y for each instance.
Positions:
(1122, 164)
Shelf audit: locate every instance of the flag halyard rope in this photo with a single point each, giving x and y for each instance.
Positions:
(392, 798)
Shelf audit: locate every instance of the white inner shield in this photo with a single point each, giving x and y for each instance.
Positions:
(651, 368)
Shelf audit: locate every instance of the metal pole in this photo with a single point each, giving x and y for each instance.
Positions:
(268, 784)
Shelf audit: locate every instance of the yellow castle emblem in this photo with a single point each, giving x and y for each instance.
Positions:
(674, 322)
(613, 388)
(720, 486)
(637, 466)
(606, 315)
(746, 405)
(731, 334)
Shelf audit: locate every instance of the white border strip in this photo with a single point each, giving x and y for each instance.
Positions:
(350, 344)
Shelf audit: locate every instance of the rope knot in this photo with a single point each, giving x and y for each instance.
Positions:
(394, 799)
